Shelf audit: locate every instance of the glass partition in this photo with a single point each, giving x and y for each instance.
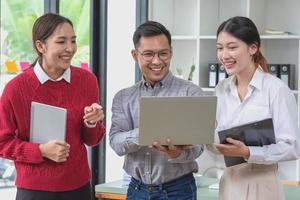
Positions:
(79, 13)
(16, 53)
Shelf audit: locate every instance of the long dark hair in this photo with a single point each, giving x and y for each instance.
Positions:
(244, 29)
(43, 27)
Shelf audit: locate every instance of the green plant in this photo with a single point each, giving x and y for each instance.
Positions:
(17, 18)
(190, 77)
(79, 13)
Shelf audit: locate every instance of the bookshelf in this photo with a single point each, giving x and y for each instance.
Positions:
(193, 25)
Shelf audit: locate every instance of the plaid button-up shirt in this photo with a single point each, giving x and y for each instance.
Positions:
(143, 163)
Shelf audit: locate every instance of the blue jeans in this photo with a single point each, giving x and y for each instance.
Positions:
(182, 188)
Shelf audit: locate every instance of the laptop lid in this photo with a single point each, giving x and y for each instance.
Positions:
(185, 120)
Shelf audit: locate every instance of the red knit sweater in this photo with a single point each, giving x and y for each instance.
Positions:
(34, 171)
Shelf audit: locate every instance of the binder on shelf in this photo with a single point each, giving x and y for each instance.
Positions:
(221, 73)
(286, 74)
(212, 74)
(274, 69)
(257, 133)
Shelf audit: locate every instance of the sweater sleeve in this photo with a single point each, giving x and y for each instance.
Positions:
(93, 135)
(11, 145)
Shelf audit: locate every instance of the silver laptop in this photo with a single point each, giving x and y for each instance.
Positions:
(185, 120)
(47, 123)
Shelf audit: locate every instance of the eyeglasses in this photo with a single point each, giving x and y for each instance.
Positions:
(149, 55)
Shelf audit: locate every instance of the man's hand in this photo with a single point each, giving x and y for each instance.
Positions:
(234, 148)
(55, 150)
(173, 151)
(93, 114)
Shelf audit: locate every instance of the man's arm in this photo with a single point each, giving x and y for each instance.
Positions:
(123, 139)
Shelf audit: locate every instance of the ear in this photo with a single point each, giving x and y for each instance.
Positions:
(253, 48)
(171, 50)
(134, 55)
(40, 46)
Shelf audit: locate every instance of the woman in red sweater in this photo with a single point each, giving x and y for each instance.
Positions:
(56, 170)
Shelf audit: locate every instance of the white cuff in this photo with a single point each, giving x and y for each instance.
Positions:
(256, 154)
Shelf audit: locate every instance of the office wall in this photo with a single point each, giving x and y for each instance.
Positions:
(120, 68)
(120, 74)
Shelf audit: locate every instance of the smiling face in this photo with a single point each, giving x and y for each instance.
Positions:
(234, 54)
(154, 70)
(58, 50)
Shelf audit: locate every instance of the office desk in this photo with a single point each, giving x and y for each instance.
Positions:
(115, 190)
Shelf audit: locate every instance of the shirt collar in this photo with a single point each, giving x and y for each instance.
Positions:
(256, 81)
(167, 79)
(43, 77)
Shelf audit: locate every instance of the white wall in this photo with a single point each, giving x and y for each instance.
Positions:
(120, 68)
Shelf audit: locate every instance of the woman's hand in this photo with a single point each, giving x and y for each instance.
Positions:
(93, 114)
(234, 148)
(173, 151)
(55, 150)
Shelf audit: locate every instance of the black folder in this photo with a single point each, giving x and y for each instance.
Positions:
(221, 73)
(257, 133)
(285, 73)
(212, 74)
(274, 69)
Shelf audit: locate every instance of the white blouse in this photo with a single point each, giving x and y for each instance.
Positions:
(267, 97)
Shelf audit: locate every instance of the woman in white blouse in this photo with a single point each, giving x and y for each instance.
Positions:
(252, 94)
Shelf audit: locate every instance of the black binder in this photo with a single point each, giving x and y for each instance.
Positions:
(274, 69)
(212, 74)
(221, 73)
(253, 134)
(287, 74)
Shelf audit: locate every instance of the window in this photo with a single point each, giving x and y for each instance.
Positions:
(16, 50)
(79, 13)
(16, 53)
